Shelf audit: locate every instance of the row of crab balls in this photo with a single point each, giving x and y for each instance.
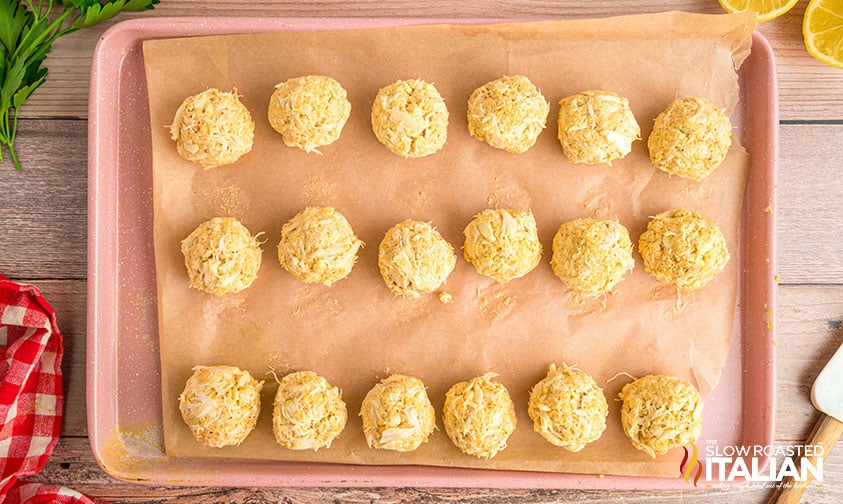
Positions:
(220, 405)
(690, 138)
(590, 256)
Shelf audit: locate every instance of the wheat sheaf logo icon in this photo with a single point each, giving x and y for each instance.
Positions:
(686, 467)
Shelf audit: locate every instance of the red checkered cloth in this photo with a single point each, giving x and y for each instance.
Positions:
(30, 394)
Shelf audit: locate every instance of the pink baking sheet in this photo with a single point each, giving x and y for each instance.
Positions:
(124, 401)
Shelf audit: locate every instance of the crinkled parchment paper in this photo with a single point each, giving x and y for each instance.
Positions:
(355, 332)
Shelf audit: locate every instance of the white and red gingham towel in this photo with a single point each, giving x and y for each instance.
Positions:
(31, 398)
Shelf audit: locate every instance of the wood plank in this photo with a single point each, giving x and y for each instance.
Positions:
(43, 208)
(808, 89)
(810, 331)
(810, 203)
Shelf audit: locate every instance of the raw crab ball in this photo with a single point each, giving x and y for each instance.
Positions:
(318, 246)
(568, 408)
(507, 113)
(479, 416)
(309, 112)
(410, 118)
(591, 256)
(213, 128)
(596, 127)
(690, 138)
(661, 412)
(502, 244)
(397, 414)
(220, 404)
(221, 256)
(309, 412)
(414, 259)
(682, 248)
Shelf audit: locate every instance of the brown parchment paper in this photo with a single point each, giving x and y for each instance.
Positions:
(355, 332)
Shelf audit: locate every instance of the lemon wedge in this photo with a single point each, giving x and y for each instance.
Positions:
(823, 31)
(765, 9)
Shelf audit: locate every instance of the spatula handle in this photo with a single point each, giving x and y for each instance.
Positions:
(826, 432)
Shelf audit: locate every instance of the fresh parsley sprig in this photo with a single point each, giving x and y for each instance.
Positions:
(27, 32)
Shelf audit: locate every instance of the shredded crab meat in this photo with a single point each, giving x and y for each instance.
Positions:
(309, 111)
(479, 416)
(308, 412)
(661, 412)
(318, 246)
(213, 128)
(508, 113)
(220, 404)
(397, 414)
(596, 127)
(502, 244)
(410, 118)
(591, 256)
(684, 249)
(568, 408)
(690, 138)
(414, 259)
(221, 256)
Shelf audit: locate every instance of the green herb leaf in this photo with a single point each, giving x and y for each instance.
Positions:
(12, 81)
(14, 16)
(23, 93)
(27, 32)
(98, 12)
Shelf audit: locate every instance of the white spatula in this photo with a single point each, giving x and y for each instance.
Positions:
(827, 396)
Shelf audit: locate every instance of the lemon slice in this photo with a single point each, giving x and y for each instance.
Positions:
(823, 31)
(765, 9)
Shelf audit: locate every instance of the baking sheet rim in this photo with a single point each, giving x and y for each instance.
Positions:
(103, 270)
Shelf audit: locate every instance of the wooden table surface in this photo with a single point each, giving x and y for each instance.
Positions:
(43, 239)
